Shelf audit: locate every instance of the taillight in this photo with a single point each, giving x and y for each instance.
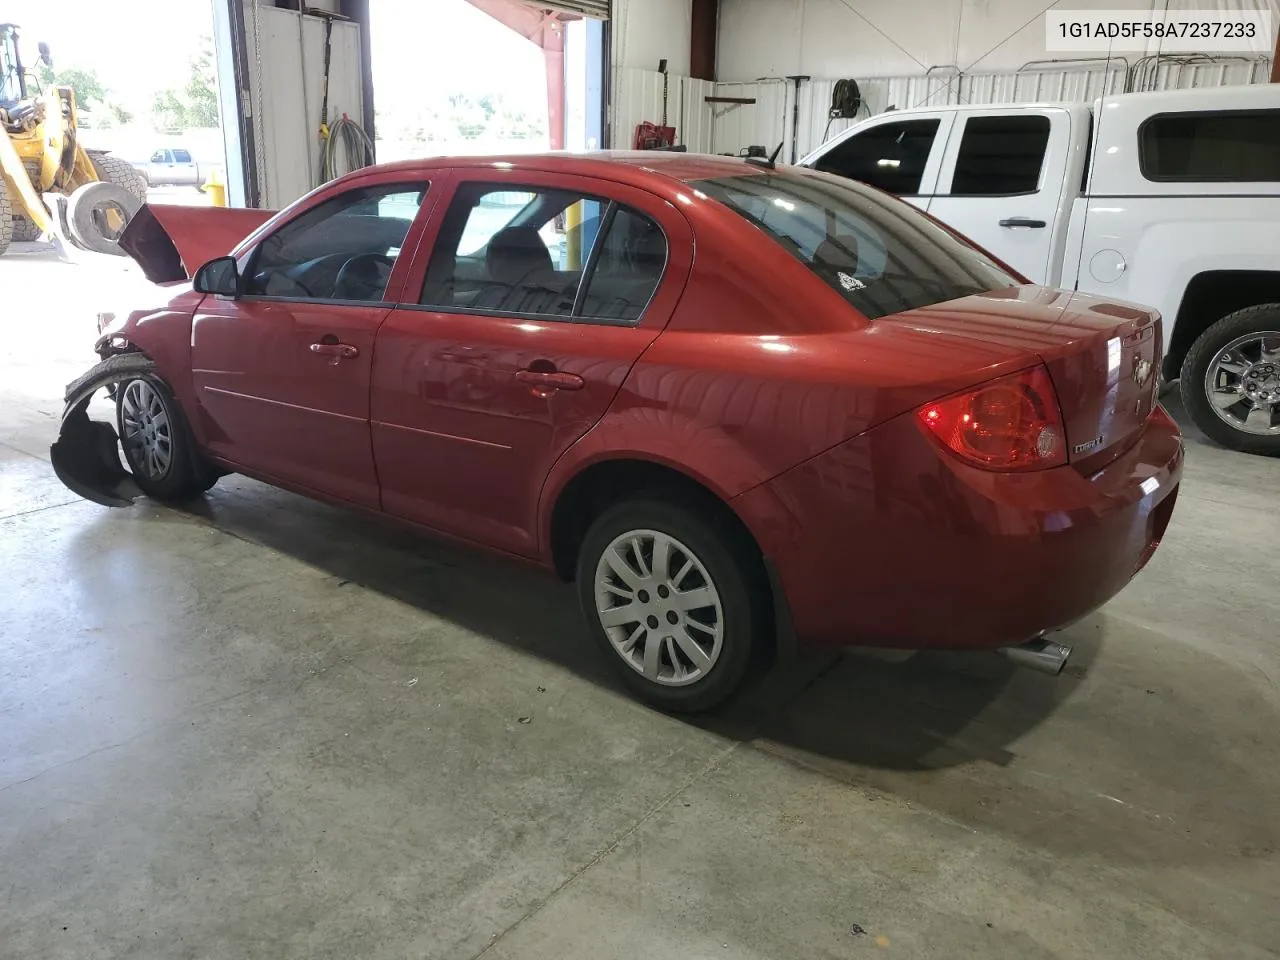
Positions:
(1013, 423)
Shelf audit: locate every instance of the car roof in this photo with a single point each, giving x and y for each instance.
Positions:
(629, 166)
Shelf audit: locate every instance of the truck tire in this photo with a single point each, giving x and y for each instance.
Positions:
(6, 218)
(25, 230)
(114, 170)
(1230, 380)
(89, 215)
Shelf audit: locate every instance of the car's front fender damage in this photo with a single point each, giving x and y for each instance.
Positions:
(85, 456)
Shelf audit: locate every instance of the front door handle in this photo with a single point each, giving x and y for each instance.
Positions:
(1022, 222)
(339, 351)
(546, 382)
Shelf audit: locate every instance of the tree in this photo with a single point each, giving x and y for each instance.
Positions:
(88, 88)
(197, 104)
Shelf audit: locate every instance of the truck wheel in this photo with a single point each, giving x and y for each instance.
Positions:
(97, 214)
(6, 218)
(114, 170)
(1230, 380)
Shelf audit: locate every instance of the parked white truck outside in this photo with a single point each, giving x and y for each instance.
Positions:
(1169, 199)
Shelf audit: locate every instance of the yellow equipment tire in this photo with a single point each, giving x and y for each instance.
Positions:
(114, 170)
(6, 218)
(24, 229)
(97, 213)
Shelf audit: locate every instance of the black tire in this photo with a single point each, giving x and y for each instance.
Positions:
(187, 474)
(733, 569)
(6, 218)
(1195, 368)
(120, 172)
(25, 230)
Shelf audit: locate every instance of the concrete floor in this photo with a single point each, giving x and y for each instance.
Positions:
(264, 728)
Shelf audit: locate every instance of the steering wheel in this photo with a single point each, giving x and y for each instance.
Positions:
(363, 277)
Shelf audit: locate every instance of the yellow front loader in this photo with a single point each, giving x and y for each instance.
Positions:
(50, 185)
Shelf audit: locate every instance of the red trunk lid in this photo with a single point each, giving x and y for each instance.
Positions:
(1102, 356)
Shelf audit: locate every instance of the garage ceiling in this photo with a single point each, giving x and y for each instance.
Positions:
(597, 9)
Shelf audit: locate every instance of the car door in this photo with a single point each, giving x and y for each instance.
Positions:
(281, 372)
(900, 155)
(538, 292)
(1003, 185)
(161, 167)
(184, 168)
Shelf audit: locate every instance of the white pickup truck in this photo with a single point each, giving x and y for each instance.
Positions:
(1170, 199)
(170, 167)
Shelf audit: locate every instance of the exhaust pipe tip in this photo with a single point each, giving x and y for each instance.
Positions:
(1046, 656)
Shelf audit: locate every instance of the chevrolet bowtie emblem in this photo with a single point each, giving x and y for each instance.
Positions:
(1141, 370)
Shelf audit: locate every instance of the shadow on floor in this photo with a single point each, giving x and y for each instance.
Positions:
(917, 713)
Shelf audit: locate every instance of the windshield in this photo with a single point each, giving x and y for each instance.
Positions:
(876, 251)
(10, 69)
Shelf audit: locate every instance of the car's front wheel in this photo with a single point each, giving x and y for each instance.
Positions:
(1230, 380)
(676, 600)
(157, 443)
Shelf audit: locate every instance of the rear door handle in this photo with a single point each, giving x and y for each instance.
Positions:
(339, 351)
(546, 382)
(1022, 222)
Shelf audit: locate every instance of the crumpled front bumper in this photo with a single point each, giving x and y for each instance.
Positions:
(86, 454)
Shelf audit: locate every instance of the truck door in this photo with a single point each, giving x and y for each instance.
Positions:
(1003, 184)
(898, 154)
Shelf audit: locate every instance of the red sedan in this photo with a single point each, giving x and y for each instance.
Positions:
(737, 404)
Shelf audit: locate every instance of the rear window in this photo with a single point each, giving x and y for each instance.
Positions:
(879, 253)
(1224, 146)
(1000, 156)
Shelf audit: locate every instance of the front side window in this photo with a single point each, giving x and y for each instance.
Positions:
(883, 256)
(1000, 156)
(544, 252)
(890, 157)
(160, 156)
(343, 249)
(1232, 146)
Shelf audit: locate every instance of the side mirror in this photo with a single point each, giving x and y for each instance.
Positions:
(45, 56)
(221, 277)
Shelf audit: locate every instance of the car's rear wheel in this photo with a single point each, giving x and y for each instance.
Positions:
(1230, 380)
(675, 599)
(157, 442)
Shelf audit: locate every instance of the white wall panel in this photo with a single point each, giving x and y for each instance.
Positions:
(286, 90)
(877, 38)
(764, 123)
(647, 31)
(637, 97)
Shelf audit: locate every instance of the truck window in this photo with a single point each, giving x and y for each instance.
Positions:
(1000, 155)
(181, 156)
(160, 156)
(891, 156)
(1221, 146)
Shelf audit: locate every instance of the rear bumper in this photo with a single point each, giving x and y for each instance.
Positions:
(886, 540)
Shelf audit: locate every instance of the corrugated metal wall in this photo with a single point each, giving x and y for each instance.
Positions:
(729, 128)
(637, 98)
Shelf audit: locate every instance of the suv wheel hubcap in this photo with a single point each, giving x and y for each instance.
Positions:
(1243, 383)
(659, 608)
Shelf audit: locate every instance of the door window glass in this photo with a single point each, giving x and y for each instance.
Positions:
(343, 249)
(181, 156)
(891, 156)
(1225, 146)
(506, 250)
(159, 156)
(627, 269)
(1000, 155)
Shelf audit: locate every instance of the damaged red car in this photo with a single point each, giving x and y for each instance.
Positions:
(740, 406)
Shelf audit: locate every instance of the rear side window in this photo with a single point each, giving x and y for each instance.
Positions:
(181, 156)
(1000, 156)
(890, 157)
(883, 256)
(1221, 146)
(544, 252)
